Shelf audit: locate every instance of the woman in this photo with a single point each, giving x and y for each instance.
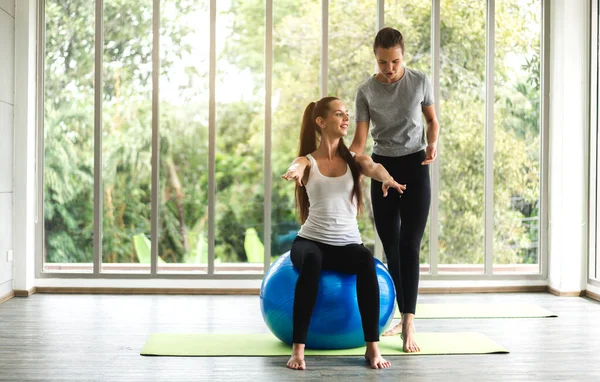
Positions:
(394, 101)
(328, 197)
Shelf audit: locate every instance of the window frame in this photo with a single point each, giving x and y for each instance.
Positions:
(594, 200)
(268, 54)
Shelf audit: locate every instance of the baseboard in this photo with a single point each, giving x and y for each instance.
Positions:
(7, 297)
(256, 291)
(250, 292)
(25, 293)
(171, 291)
(556, 292)
(592, 295)
(498, 289)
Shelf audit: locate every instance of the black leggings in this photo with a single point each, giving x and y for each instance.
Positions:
(401, 222)
(310, 257)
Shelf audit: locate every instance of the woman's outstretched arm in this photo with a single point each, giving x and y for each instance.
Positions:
(298, 170)
(378, 172)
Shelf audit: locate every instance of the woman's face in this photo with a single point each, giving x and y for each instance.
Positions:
(337, 120)
(389, 61)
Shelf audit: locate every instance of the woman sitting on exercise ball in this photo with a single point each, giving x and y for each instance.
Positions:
(328, 198)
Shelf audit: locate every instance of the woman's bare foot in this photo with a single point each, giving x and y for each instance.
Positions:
(394, 331)
(374, 357)
(296, 361)
(409, 345)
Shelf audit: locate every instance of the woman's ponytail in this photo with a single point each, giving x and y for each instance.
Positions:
(308, 144)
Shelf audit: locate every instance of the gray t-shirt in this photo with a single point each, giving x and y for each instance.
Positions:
(395, 112)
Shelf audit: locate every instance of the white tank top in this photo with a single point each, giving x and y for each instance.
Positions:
(332, 213)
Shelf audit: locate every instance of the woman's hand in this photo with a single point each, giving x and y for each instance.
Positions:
(391, 183)
(295, 171)
(430, 154)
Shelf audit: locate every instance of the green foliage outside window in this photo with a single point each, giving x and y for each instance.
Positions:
(69, 130)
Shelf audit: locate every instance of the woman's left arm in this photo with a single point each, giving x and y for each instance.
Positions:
(433, 130)
(378, 172)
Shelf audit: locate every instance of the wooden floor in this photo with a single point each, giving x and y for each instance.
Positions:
(99, 337)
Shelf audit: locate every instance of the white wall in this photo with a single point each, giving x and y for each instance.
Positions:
(7, 102)
(569, 137)
(594, 169)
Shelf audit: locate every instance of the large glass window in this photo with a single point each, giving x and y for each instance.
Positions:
(462, 137)
(184, 96)
(240, 137)
(127, 136)
(351, 62)
(296, 65)
(237, 85)
(517, 136)
(69, 136)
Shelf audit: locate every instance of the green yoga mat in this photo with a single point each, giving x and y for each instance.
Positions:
(480, 311)
(263, 345)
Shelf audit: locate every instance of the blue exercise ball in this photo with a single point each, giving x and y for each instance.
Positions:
(335, 322)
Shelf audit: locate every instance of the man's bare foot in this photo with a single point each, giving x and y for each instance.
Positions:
(373, 355)
(394, 331)
(409, 345)
(296, 361)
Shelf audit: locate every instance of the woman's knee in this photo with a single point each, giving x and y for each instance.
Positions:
(392, 253)
(411, 243)
(365, 257)
(307, 261)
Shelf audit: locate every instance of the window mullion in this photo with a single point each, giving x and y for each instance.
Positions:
(98, 89)
(489, 138)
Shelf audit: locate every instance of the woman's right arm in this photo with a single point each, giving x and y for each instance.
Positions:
(363, 116)
(376, 171)
(360, 137)
(298, 170)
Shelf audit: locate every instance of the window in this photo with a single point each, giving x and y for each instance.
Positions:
(296, 64)
(127, 136)
(69, 136)
(184, 98)
(351, 62)
(187, 151)
(239, 176)
(461, 240)
(517, 138)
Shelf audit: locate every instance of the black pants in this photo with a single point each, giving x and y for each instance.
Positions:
(310, 257)
(401, 222)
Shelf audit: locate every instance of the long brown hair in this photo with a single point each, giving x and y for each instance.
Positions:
(309, 138)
